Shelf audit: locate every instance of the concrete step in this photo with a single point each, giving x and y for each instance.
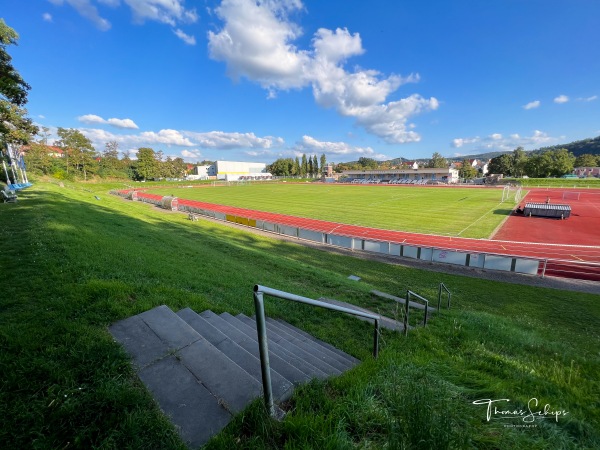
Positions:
(152, 335)
(233, 386)
(193, 409)
(295, 356)
(280, 365)
(171, 360)
(204, 368)
(384, 322)
(303, 333)
(341, 362)
(282, 388)
(310, 347)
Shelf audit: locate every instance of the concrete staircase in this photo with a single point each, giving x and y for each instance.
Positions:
(204, 368)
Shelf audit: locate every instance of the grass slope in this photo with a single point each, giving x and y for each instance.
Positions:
(71, 265)
(466, 212)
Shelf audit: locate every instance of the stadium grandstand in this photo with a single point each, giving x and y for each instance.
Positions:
(402, 176)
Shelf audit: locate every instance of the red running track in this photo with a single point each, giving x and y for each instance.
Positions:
(566, 260)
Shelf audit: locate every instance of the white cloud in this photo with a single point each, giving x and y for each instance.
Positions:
(227, 141)
(170, 12)
(561, 99)
(498, 142)
(310, 145)
(191, 154)
(87, 10)
(190, 40)
(588, 99)
(165, 11)
(47, 17)
(256, 42)
(119, 123)
(532, 105)
(41, 116)
(122, 123)
(459, 142)
(91, 118)
(168, 137)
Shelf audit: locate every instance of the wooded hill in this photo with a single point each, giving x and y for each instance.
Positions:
(577, 148)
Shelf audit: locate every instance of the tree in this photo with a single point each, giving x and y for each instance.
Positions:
(437, 161)
(519, 159)
(323, 162)
(15, 127)
(467, 171)
(562, 162)
(282, 167)
(37, 158)
(296, 167)
(78, 150)
(304, 166)
(368, 163)
(180, 167)
(146, 166)
(315, 166)
(501, 165)
(110, 164)
(587, 160)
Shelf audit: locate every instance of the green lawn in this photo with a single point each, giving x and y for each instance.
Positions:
(71, 265)
(466, 212)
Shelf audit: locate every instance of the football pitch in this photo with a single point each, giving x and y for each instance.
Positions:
(465, 212)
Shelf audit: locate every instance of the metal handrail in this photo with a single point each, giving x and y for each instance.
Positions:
(261, 329)
(408, 294)
(443, 286)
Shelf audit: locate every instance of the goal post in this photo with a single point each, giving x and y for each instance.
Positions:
(518, 195)
(505, 193)
(569, 195)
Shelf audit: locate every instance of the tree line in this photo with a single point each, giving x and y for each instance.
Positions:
(74, 156)
(307, 167)
(551, 163)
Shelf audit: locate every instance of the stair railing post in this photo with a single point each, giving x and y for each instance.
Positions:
(376, 339)
(406, 313)
(263, 348)
(440, 296)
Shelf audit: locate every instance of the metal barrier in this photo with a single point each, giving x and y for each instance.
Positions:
(261, 329)
(443, 286)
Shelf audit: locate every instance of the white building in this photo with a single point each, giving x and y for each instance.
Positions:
(202, 172)
(230, 171)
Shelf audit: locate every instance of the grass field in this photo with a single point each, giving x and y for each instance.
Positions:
(71, 265)
(465, 212)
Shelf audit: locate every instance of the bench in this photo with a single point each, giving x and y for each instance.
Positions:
(9, 196)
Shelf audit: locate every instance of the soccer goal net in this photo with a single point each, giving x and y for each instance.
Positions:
(571, 195)
(511, 193)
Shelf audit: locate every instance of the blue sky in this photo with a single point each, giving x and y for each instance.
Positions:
(245, 81)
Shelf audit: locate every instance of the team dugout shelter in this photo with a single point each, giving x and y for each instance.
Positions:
(403, 176)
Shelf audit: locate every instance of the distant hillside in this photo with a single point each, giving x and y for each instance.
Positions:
(480, 156)
(586, 146)
(590, 146)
